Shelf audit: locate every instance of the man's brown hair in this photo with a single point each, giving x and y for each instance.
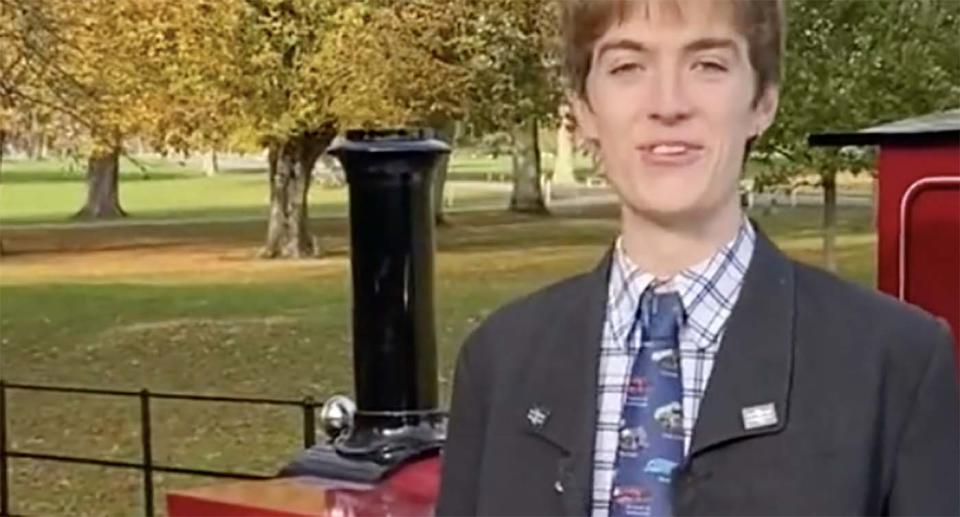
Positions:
(761, 22)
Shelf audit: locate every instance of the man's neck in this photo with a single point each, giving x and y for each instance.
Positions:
(664, 249)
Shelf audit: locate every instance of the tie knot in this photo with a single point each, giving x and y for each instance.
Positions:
(660, 316)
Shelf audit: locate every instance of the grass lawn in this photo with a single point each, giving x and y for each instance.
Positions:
(188, 308)
(53, 190)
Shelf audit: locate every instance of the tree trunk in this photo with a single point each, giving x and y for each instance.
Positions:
(562, 173)
(563, 165)
(211, 164)
(829, 182)
(447, 132)
(291, 172)
(103, 177)
(41, 147)
(527, 196)
(31, 138)
(3, 150)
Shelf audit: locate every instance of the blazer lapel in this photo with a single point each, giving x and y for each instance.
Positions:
(749, 387)
(559, 400)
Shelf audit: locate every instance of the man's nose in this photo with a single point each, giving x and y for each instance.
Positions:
(669, 102)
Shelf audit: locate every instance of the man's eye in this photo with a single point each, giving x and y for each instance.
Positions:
(709, 66)
(625, 68)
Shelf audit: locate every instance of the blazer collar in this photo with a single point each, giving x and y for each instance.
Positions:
(753, 368)
(562, 380)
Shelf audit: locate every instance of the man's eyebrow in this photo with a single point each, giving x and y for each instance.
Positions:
(694, 46)
(711, 44)
(620, 44)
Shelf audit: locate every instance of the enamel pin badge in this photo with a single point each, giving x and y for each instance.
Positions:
(756, 417)
(537, 416)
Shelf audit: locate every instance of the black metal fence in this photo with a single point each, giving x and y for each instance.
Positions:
(146, 465)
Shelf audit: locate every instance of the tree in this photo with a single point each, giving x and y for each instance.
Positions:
(302, 70)
(200, 112)
(563, 171)
(851, 65)
(447, 130)
(6, 115)
(427, 44)
(100, 64)
(211, 163)
(274, 47)
(564, 152)
(516, 85)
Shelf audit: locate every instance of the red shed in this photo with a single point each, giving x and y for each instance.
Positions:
(918, 209)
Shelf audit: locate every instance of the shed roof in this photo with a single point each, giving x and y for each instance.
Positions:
(941, 127)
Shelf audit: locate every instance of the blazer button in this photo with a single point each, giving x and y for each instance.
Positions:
(558, 487)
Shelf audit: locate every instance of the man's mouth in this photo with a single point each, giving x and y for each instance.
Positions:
(671, 153)
(669, 149)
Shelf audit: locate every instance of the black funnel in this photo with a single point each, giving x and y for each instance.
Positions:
(390, 178)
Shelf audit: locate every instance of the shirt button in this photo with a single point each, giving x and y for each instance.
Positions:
(558, 487)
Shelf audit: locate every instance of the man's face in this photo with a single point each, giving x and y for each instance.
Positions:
(670, 104)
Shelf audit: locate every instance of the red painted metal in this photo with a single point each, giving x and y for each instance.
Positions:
(410, 492)
(918, 227)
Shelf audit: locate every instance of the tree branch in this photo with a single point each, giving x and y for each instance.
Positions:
(76, 116)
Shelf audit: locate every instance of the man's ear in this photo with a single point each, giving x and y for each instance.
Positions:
(583, 114)
(765, 110)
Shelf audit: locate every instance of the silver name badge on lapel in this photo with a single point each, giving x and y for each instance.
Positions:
(537, 416)
(755, 417)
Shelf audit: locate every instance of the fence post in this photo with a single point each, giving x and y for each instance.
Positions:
(147, 446)
(309, 423)
(4, 488)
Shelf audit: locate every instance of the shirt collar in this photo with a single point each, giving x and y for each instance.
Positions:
(708, 289)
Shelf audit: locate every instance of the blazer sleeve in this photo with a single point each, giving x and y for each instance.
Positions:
(926, 479)
(466, 426)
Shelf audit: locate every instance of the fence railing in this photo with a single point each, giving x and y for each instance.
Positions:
(146, 464)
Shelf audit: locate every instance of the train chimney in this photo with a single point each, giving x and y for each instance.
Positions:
(396, 417)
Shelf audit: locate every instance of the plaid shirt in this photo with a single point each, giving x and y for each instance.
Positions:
(708, 290)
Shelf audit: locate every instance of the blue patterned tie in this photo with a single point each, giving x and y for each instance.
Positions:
(651, 425)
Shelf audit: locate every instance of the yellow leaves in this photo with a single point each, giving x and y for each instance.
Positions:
(385, 65)
(7, 119)
(117, 65)
(195, 71)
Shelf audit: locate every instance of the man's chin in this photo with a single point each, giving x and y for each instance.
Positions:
(670, 212)
(666, 207)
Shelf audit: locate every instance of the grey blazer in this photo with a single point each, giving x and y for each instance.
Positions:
(865, 390)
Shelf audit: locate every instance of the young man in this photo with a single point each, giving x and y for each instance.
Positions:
(697, 370)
